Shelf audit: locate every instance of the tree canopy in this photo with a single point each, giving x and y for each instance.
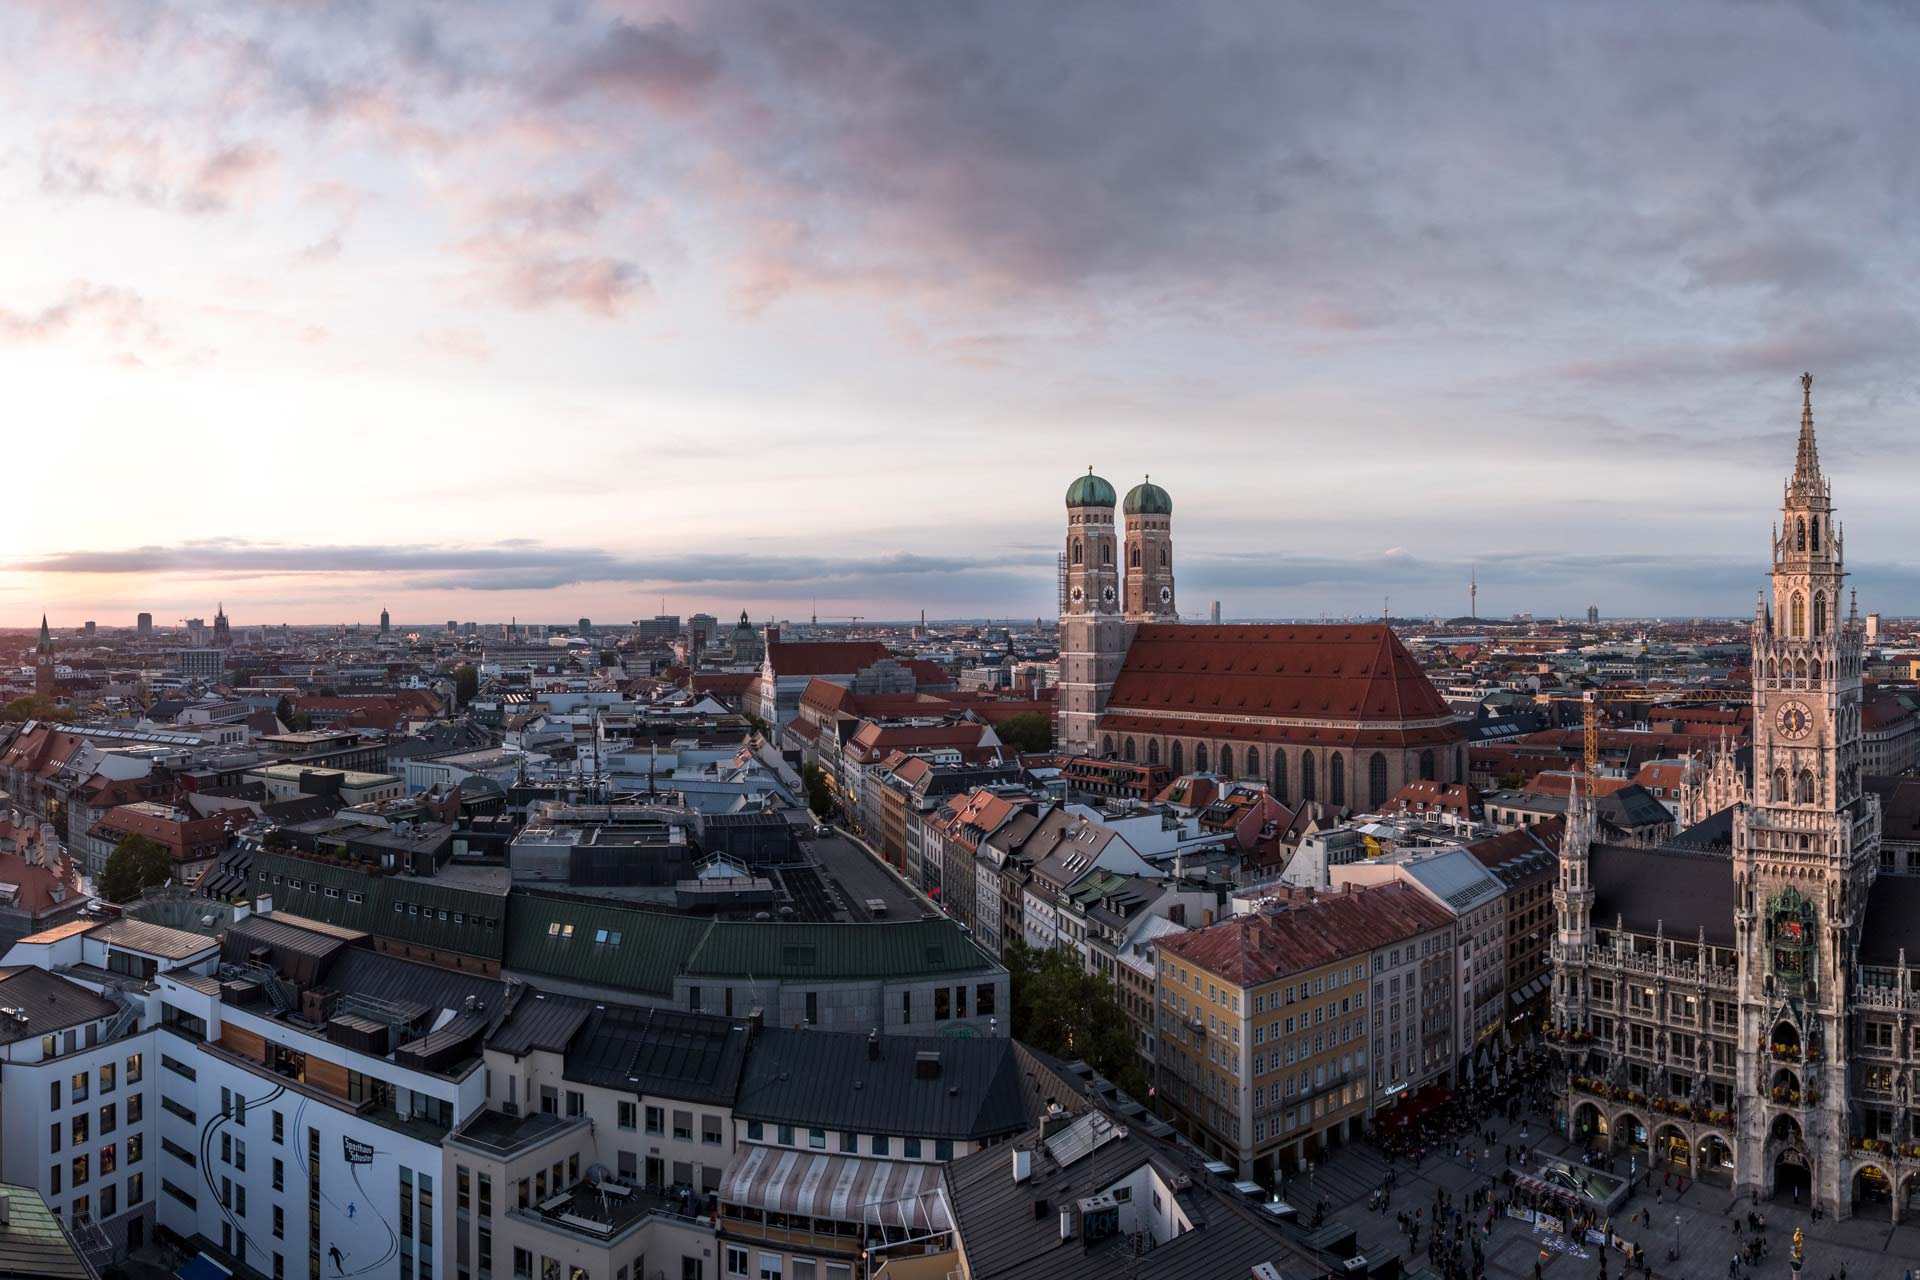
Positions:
(1029, 733)
(33, 707)
(819, 798)
(1061, 1009)
(136, 864)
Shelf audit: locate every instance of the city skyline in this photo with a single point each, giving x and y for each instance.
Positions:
(482, 312)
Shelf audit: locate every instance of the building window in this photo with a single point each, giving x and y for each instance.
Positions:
(1279, 775)
(1377, 780)
(629, 1115)
(656, 1120)
(1337, 780)
(1307, 789)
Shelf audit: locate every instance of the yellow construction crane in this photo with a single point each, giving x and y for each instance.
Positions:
(1590, 700)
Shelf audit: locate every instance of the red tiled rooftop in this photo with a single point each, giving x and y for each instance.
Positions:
(1350, 672)
(824, 658)
(1309, 932)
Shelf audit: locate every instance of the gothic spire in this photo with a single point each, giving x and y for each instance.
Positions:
(1806, 467)
(46, 636)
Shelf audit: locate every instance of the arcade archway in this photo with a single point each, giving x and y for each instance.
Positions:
(1792, 1179)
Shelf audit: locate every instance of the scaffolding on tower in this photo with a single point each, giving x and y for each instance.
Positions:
(1062, 570)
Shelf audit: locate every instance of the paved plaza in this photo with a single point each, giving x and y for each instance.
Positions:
(1868, 1248)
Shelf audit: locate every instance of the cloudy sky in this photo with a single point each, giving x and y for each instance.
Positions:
(558, 309)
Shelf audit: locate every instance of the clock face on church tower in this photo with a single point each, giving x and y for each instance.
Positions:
(1794, 719)
(1166, 595)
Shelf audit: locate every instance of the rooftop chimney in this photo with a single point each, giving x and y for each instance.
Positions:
(873, 1045)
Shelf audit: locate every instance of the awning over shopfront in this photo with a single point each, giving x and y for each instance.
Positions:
(1412, 1106)
(883, 1193)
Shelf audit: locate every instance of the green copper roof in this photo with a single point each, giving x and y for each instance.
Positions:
(1148, 499)
(1090, 491)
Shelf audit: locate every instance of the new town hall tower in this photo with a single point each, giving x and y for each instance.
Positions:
(1806, 844)
(1739, 1003)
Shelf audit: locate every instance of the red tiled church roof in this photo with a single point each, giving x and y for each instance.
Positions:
(1354, 672)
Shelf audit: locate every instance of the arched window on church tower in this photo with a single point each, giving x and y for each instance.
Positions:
(1307, 789)
(1803, 787)
(1106, 553)
(1253, 762)
(1377, 781)
(1174, 759)
(1279, 775)
(1800, 670)
(1799, 535)
(1163, 557)
(1199, 757)
(1126, 751)
(1133, 556)
(1106, 746)
(1153, 751)
(1780, 785)
(1819, 613)
(1426, 766)
(1813, 532)
(1337, 780)
(1226, 762)
(1076, 551)
(1773, 671)
(1799, 616)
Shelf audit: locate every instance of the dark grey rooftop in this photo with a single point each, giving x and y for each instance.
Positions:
(46, 1003)
(1678, 891)
(694, 1057)
(1892, 921)
(540, 1020)
(827, 1080)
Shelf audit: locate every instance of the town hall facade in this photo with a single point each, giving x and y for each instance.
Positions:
(1738, 1003)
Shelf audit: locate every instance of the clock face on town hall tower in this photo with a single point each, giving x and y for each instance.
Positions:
(1794, 720)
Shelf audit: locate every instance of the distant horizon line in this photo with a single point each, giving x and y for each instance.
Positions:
(980, 620)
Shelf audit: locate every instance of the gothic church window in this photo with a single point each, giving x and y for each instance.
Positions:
(1076, 551)
(1106, 553)
(1133, 556)
(1800, 535)
(1799, 617)
(1337, 780)
(1280, 775)
(1426, 766)
(1800, 670)
(1127, 751)
(1308, 791)
(1226, 762)
(1815, 532)
(1153, 751)
(1377, 779)
(1803, 787)
(1163, 557)
(1175, 758)
(1253, 762)
(1780, 785)
(1819, 613)
(1106, 746)
(1200, 757)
